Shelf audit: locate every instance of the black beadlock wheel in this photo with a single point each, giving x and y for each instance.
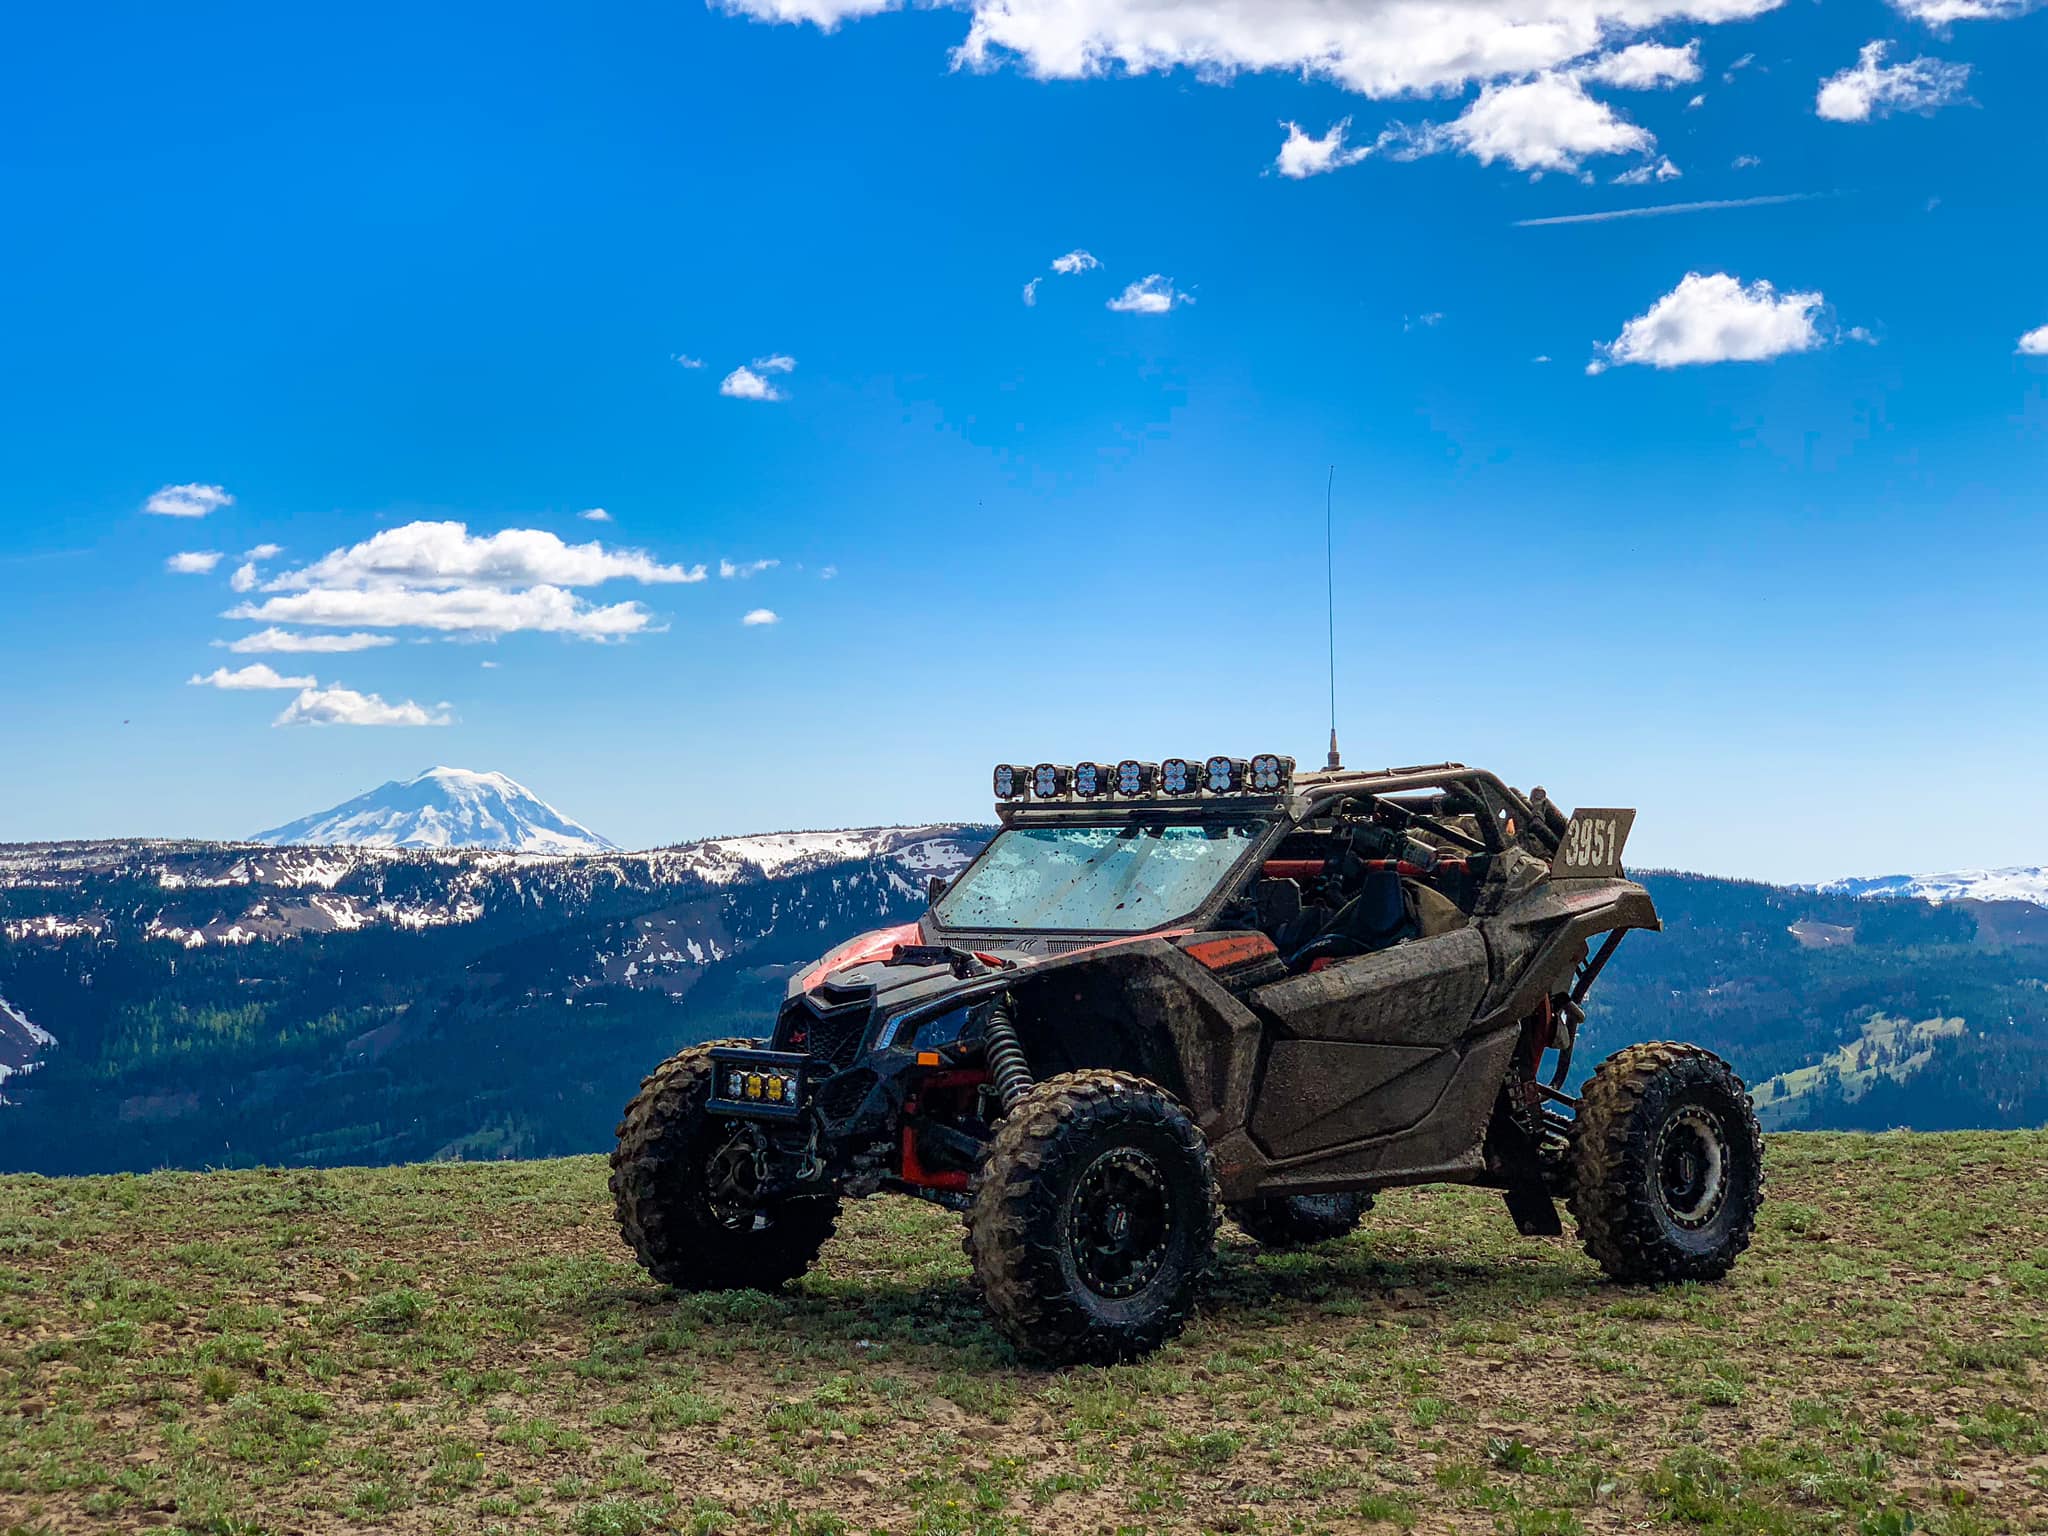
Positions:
(683, 1191)
(1094, 1218)
(1298, 1221)
(1667, 1165)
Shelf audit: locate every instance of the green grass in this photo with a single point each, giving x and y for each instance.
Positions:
(468, 1348)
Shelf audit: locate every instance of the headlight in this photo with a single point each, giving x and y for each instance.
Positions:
(1178, 776)
(1136, 778)
(1049, 781)
(1092, 779)
(1012, 781)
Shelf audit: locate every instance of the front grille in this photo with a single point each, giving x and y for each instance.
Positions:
(831, 1034)
(845, 1093)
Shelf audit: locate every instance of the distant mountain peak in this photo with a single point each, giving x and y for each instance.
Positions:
(443, 807)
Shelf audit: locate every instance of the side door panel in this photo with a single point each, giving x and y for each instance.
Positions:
(1365, 1048)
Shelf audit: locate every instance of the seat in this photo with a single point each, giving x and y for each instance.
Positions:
(1376, 918)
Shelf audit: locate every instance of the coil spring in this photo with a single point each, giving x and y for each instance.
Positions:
(1006, 1063)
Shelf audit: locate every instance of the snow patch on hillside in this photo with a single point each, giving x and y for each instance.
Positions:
(2021, 883)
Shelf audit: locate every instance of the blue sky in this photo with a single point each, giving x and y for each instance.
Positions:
(1765, 561)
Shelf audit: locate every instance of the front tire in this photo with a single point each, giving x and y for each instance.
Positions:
(1667, 1165)
(1094, 1218)
(1280, 1222)
(678, 1191)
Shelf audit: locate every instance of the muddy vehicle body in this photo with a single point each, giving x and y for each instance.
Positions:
(1164, 993)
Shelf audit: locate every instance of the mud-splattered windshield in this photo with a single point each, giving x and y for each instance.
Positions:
(1116, 879)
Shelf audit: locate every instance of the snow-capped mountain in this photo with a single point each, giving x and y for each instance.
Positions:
(2019, 884)
(445, 808)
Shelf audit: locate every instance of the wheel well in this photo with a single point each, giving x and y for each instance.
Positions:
(1092, 1017)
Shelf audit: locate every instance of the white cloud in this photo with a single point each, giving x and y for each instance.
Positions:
(1073, 262)
(263, 552)
(775, 362)
(1696, 103)
(1941, 13)
(684, 360)
(280, 642)
(193, 562)
(187, 500)
(1422, 322)
(2035, 343)
(246, 576)
(448, 554)
(828, 573)
(1607, 216)
(1745, 162)
(256, 675)
(1715, 318)
(1872, 88)
(479, 611)
(756, 616)
(1153, 295)
(1302, 156)
(727, 569)
(1378, 48)
(743, 383)
(344, 706)
(595, 515)
(1649, 171)
(1031, 292)
(1545, 124)
(1647, 67)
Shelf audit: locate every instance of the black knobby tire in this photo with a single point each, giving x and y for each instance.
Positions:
(1667, 1165)
(1297, 1221)
(1093, 1218)
(661, 1194)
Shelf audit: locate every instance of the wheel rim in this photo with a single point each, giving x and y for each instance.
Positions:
(1119, 1223)
(1692, 1167)
(732, 1186)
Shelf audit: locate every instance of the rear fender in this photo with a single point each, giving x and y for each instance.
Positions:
(1536, 944)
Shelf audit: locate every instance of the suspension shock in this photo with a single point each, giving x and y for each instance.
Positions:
(1006, 1063)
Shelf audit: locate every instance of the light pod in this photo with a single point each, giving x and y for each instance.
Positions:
(1226, 775)
(1271, 773)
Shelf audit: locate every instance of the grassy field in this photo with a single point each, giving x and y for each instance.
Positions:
(468, 1348)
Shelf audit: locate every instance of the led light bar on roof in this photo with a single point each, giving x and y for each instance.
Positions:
(1267, 774)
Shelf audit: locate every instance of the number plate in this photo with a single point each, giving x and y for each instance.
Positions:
(1592, 845)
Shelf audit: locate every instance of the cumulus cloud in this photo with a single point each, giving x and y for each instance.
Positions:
(263, 552)
(728, 569)
(1377, 48)
(1647, 67)
(344, 706)
(745, 383)
(256, 675)
(1031, 292)
(1545, 124)
(1872, 88)
(1302, 155)
(756, 616)
(2035, 343)
(193, 562)
(1941, 13)
(1153, 295)
(246, 576)
(1647, 172)
(595, 515)
(1073, 262)
(1715, 318)
(449, 555)
(187, 500)
(485, 612)
(279, 642)
(684, 360)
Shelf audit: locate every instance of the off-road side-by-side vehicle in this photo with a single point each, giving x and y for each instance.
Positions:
(1169, 992)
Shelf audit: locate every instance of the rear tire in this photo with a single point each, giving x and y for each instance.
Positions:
(1299, 1221)
(662, 1167)
(1667, 1165)
(1094, 1218)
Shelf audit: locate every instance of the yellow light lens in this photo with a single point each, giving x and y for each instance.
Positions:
(775, 1089)
(753, 1085)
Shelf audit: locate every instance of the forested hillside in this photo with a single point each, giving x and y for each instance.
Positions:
(230, 1006)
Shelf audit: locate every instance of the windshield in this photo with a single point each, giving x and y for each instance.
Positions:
(1118, 879)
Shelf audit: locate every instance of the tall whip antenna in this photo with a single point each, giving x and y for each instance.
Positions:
(1330, 595)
